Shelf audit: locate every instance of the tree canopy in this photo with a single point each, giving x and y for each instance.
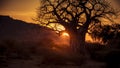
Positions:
(77, 16)
(74, 12)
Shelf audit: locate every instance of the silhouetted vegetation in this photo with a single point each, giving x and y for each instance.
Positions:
(36, 45)
(106, 33)
(77, 16)
(110, 37)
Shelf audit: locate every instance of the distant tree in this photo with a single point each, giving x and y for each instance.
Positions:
(77, 16)
(106, 32)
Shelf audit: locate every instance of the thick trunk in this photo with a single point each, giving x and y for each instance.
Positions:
(77, 42)
(74, 42)
(77, 38)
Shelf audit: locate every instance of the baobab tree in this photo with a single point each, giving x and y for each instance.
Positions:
(77, 17)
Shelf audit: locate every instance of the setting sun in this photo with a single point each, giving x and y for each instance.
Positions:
(65, 34)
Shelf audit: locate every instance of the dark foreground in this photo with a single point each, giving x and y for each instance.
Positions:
(13, 55)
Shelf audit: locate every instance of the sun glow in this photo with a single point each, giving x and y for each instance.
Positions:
(65, 34)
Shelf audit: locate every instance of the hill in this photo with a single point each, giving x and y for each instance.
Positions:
(17, 30)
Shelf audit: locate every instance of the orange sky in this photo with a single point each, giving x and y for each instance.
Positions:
(22, 9)
(19, 9)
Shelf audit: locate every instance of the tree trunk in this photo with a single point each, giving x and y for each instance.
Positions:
(77, 38)
(77, 42)
(74, 42)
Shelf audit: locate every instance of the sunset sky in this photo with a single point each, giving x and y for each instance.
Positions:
(22, 9)
(25, 9)
(19, 9)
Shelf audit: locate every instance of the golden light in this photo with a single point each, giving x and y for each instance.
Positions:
(65, 37)
(65, 34)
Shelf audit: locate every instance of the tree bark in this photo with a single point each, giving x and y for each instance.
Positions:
(77, 38)
(77, 41)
